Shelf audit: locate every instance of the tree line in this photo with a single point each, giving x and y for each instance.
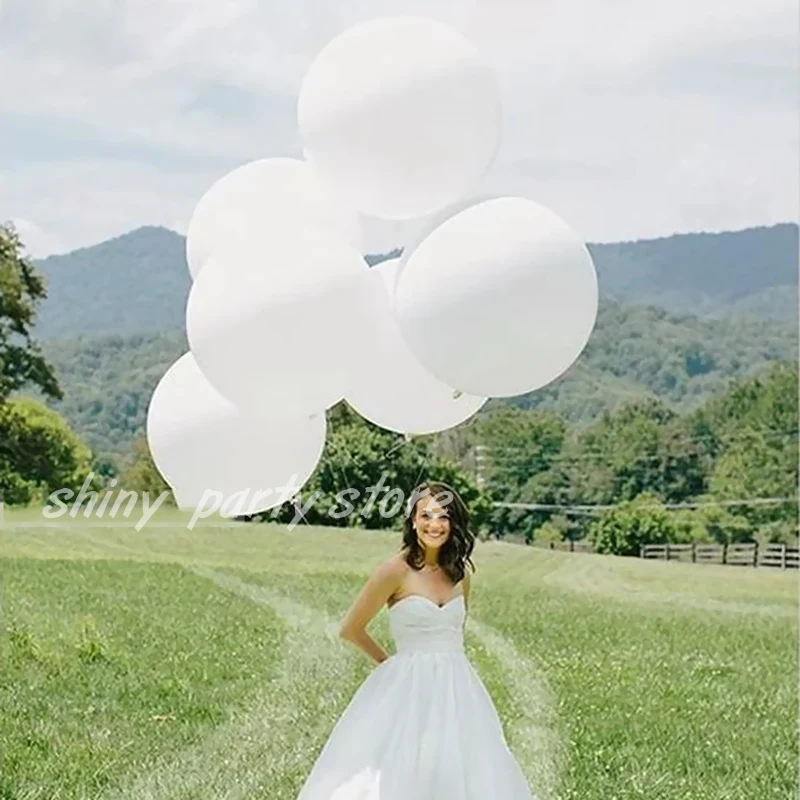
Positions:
(633, 352)
(725, 472)
(615, 481)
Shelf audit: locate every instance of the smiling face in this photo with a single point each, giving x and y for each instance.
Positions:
(432, 522)
(436, 530)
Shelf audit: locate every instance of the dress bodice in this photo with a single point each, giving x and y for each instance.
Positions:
(418, 624)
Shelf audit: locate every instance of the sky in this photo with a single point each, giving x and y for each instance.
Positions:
(629, 118)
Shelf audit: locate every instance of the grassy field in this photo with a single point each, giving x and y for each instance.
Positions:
(171, 663)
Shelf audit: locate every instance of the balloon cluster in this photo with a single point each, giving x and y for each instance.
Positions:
(400, 119)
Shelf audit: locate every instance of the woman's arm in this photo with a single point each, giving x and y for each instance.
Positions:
(380, 586)
(465, 589)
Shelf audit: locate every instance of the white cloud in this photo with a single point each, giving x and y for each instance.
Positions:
(99, 199)
(35, 240)
(629, 118)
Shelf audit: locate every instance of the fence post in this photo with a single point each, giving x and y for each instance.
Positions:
(694, 552)
(572, 545)
(552, 545)
(725, 553)
(755, 555)
(666, 552)
(783, 556)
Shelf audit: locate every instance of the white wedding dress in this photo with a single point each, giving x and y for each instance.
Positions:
(422, 726)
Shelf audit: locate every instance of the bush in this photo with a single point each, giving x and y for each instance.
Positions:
(39, 453)
(549, 532)
(711, 525)
(623, 530)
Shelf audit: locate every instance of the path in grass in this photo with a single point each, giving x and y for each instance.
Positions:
(263, 749)
(266, 750)
(534, 733)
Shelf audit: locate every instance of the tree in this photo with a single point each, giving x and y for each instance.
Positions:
(21, 289)
(624, 529)
(522, 445)
(711, 525)
(755, 448)
(142, 475)
(106, 467)
(39, 452)
(629, 446)
(549, 532)
(362, 461)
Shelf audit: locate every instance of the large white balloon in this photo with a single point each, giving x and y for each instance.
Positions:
(401, 115)
(499, 300)
(273, 321)
(266, 195)
(202, 443)
(389, 386)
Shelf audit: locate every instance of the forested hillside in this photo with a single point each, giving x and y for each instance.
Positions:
(642, 473)
(668, 428)
(633, 352)
(708, 274)
(735, 458)
(139, 282)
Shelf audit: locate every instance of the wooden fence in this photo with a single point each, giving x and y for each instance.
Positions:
(570, 546)
(749, 554)
(735, 555)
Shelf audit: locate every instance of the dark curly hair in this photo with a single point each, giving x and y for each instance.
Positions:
(454, 555)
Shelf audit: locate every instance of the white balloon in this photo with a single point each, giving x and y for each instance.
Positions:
(266, 195)
(273, 321)
(423, 227)
(401, 115)
(499, 300)
(202, 443)
(389, 386)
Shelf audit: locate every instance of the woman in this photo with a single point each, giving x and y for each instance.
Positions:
(422, 725)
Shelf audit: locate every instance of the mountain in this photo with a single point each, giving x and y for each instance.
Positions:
(679, 318)
(139, 282)
(131, 284)
(710, 274)
(634, 351)
(681, 358)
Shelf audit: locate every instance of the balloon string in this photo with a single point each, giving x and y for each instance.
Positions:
(425, 465)
(342, 470)
(407, 438)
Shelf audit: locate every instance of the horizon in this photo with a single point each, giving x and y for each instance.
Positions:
(371, 254)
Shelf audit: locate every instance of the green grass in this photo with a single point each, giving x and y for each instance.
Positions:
(108, 664)
(170, 663)
(662, 699)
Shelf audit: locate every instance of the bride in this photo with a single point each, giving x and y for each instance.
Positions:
(422, 726)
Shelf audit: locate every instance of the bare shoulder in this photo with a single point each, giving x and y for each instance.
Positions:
(395, 566)
(391, 570)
